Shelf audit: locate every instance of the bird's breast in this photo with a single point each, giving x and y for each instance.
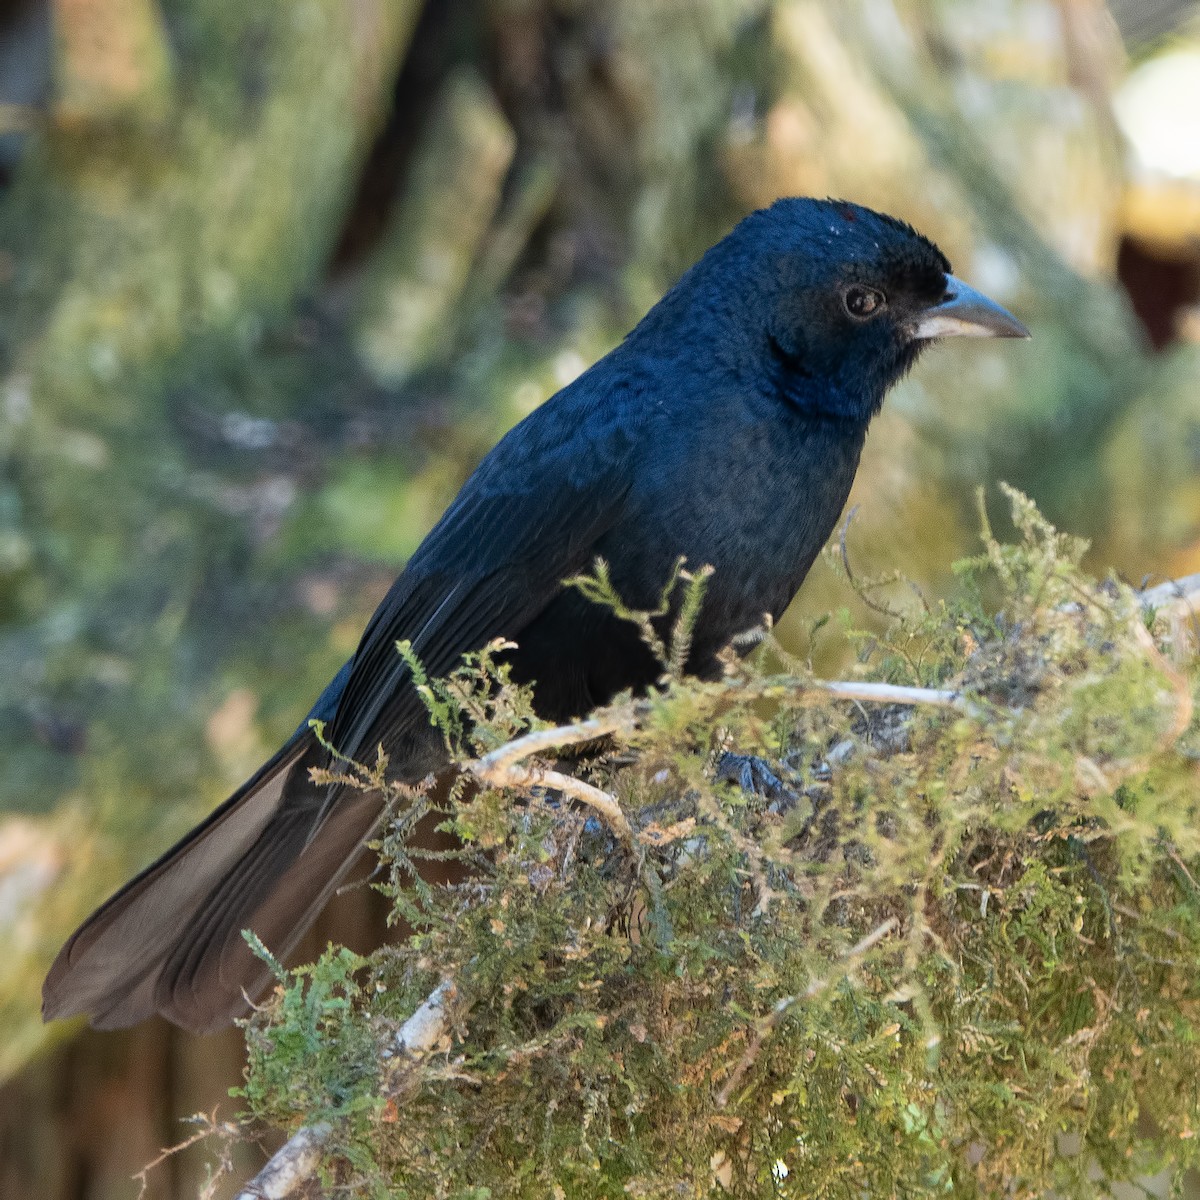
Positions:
(755, 500)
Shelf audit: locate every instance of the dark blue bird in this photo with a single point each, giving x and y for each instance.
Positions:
(726, 429)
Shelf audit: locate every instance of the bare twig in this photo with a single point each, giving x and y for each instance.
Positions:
(888, 693)
(554, 739)
(1173, 854)
(861, 589)
(768, 1024)
(504, 767)
(600, 802)
(208, 1125)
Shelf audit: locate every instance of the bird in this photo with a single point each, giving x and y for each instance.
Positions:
(725, 430)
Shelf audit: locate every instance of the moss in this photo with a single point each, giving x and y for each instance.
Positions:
(954, 954)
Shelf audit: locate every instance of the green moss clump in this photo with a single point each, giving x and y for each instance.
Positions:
(952, 952)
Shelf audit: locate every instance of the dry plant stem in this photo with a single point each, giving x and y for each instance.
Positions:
(600, 802)
(1175, 603)
(887, 693)
(209, 1126)
(766, 1026)
(860, 589)
(504, 768)
(540, 740)
(297, 1160)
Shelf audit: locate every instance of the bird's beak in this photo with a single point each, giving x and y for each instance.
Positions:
(964, 312)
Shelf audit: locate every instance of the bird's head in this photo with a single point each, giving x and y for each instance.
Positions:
(836, 299)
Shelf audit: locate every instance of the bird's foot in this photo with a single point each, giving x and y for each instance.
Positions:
(755, 776)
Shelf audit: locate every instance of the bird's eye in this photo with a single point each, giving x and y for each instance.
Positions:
(863, 302)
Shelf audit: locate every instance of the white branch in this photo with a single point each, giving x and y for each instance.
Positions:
(428, 1025)
(503, 767)
(291, 1166)
(603, 803)
(889, 693)
(552, 739)
(1182, 591)
(297, 1160)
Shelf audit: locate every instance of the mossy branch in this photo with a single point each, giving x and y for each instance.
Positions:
(291, 1167)
(966, 917)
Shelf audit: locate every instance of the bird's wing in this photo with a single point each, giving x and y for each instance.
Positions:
(528, 519)
(269, 858)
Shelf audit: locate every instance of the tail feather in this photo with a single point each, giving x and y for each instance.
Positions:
(170, 941)
(205, 983)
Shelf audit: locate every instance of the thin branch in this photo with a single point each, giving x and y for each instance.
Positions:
(1177, 593)
(208, 1126)
(291, 1166)
(889, 693)
(861, 589)
(1173, 854)
(503, 767)
(602, 803)
(297, 1160)
(1180, 590)
(552, 739)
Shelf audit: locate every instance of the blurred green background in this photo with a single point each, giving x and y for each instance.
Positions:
(274, 276)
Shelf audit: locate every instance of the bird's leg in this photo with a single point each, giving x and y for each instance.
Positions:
(753, 775)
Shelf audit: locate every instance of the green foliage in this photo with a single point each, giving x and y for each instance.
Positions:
(680, 604)
(477, 707)
(953, 954)
(317, 1060)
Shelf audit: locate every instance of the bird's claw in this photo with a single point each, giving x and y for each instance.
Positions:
(754, 776)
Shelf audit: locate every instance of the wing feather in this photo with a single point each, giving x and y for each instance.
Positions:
(492, 564)
(270, 857)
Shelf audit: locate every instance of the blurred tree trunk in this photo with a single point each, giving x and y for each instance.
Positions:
(88, 1115)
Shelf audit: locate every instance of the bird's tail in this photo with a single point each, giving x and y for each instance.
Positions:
(170, 941)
